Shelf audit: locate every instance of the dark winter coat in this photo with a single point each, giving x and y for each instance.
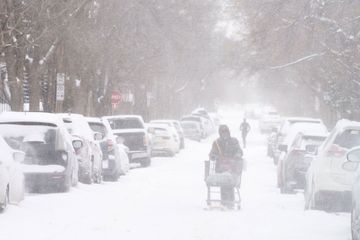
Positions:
(227, 153)
(245, 128)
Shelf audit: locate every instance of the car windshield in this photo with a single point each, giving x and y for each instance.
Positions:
(98, 127)
(189, 125)
(196, 119)
(36, 140)
(78, 126)
(348, 139)
(125, 123)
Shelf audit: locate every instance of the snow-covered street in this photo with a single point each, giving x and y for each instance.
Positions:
(167, 200)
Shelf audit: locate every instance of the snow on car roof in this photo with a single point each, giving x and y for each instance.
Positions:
(93, 119)
(345, 123)
(303, 119)
(30, 117)
(123, 116)
(79, 126)
(307, 129)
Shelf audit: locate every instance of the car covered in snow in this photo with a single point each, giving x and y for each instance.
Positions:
(293, 164)
(192, 130)
(176, 126)
(285, 128)
(88, 153)
(328, 184)
(130, 129)
(12, 186)
(269, 121)
(164, 139)
(50, 162)
(199, 120)
(115, 160)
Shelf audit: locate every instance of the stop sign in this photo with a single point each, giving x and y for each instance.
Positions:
(115, 97)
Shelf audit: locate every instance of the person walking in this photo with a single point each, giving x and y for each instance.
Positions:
(245, 129)
(227, 153)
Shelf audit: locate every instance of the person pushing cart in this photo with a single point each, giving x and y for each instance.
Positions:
(224, 169)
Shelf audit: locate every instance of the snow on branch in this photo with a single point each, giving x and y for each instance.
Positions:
(182, 88)
(307, 58)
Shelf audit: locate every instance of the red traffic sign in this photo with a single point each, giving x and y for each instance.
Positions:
(115, 97)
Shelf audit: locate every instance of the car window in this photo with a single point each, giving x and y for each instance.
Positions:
(125, 123)
(98, 127)
(348, 139)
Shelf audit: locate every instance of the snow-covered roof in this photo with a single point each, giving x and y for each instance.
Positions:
(123, 116)
(345, 123)
(303, 119)
(307, 129)
(93, 119)
(39, 117)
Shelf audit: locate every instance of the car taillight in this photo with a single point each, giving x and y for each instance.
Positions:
(110, 145)
(335, 151)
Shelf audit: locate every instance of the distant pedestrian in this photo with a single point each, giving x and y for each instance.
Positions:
(245, 129)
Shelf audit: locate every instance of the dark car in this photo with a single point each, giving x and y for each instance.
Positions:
(131, 130)
(295, 161)
(50, 162)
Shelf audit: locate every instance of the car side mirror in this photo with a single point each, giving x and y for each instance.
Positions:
(77, 144)
(354, 156)
(283, 147)
(98, 136)
(19, 156)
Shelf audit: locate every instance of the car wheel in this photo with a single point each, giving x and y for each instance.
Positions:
(146, 162)
(355, 221)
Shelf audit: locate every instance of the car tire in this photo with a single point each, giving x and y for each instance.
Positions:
(146, 162)
(6, 201)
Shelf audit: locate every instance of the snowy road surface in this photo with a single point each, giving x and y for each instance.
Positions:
(167, 200)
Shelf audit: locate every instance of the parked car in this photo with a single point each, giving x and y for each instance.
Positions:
(328, 184)
(269, 121)
(115, 160)
(12, 186)
(177, 127)
(352, 165)
(200, 121)
(88, 153)
(50, 161)
(132, 132)
(285, 127)
(209, 125)
(294, 159)
(192, 130)
(163, 138)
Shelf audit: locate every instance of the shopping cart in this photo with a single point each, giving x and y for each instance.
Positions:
(214, 181)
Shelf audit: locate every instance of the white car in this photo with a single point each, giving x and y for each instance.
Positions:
(50, 162)
(192, 130)
(269, 121)
(200, 121)
(12, 187)
(285, 127)
(89, 154)
(326, 180)
(163, 139)
(176, 126)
